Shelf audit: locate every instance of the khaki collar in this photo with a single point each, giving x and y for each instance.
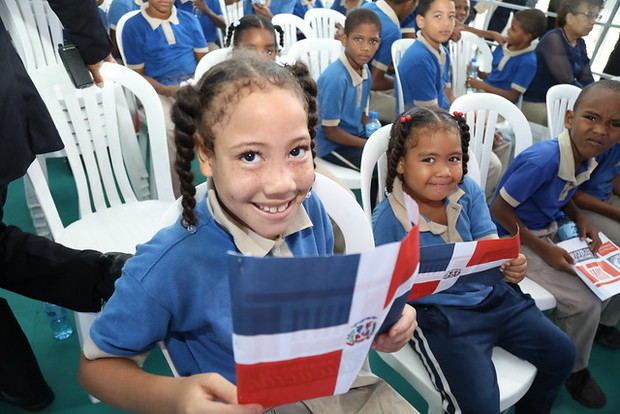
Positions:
(308, 3)
(388, 10)
(439, 54)
(566, 170)
(165, 23)
(247, 241)
(355, 77)
(448, 233)
(512, 53)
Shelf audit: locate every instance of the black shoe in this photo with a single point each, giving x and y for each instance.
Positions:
(585, 390)
(31, 404)
(116, 263)
(608, 336)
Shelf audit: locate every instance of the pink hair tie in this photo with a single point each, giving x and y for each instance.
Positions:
(405, 119)
(457, 113)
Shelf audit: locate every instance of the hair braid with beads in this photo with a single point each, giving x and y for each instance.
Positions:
(199, 108)
(403, 136)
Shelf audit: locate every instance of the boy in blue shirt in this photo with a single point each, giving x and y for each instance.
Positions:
(425, 66)
(535, 190)
(117, 9)
(391, 13)
(514, 63)
(343, 90)
(209, 15)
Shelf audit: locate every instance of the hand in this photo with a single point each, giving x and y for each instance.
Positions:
(456, 33)
(339, 33)
(171, 90)
(94, 70)
(558, 258)
(211, 393)
(262, 10)
(399, 334)
(201, 5)
(474, 83)
(586, 229)
(514, 270)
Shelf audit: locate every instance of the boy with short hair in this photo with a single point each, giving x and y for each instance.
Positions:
(535, 190)
(391, 13)
(514, 63)
(343, 92)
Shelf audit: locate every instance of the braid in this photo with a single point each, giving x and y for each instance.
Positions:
(229, 34)
(396, 150)
(465, 137)
(280, 31)
(308, 85)
(185, 113)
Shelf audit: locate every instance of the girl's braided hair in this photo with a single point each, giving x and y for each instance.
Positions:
(403, 136)
(199, 108)
(251, 21)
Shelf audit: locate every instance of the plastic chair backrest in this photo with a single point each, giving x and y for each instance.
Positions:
(374, 154)
(88, 123)
(232, 12)
(398, 50)
(35, 30)
(323, 22)
(211, 59)
(119, 31)
(481, 111)
(317, 54)
(461, 53)
(291, 24)
(560, 98)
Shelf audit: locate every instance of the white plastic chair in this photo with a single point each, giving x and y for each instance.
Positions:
(481, 111)
(232, 12)
(211, 59)
(291, 24)
(461, 53)
(111, 217)
(560, 98)
(398, 50)
(317, 54)
(119, 32)
(323, 22)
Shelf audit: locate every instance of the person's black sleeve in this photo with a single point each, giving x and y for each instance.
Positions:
(81, 19)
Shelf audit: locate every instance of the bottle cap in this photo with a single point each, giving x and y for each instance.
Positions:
(373, 114)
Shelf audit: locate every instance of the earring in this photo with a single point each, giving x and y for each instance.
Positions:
(309, 194)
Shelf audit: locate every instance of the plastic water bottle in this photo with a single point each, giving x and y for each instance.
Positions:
(59, 321)
(567, 229)
(372, 124)
(472, 72)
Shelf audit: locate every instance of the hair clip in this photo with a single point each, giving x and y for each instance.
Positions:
(236, 23)
(457, 113)
(405, 119)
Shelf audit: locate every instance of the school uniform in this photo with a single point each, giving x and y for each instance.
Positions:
(458, 328)
(409, 25)
(425, 72)
(341, 6)
(209, 29)
(512, 69)
(538, 184)
(302, 6)
(158, 296)
(384, 102)
(275, 6)
(120, 7)
(343, 99)
(600, 186)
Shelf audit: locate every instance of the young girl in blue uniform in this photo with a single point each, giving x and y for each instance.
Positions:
(257, 33)
(458, 328)
(259, 202)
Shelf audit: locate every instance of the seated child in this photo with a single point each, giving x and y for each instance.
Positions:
(209, 15)
(302, 6)
(457, 328)
(536, 188)
(462, 8)
(391, 13)
(514, 63)
(347, 6)
(344, 87)
(427, 58)
(259, 202)
(255, 33)
(599, 197)
(117, 9)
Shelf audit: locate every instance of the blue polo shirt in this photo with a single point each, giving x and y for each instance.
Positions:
(343, 99)
(512, 69)
(424, 74)
(275, 6)
(340, 6)
(302, 6)
(164, 48)
(120, 7)
(600, 184)
(541, 181)
(209, 29)
(468, 219)
(176, 289)
(390, 32)
(409, 25)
